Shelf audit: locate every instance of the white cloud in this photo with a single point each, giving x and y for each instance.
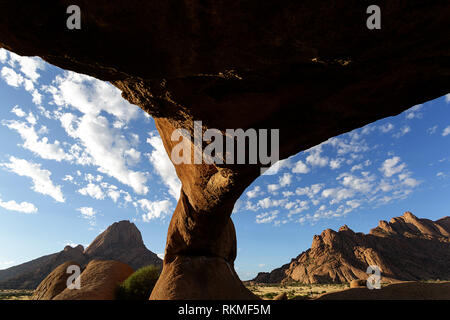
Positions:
(88, 213)
(12, 78)
(18, 111)
(446, 131)
(404, 130)
(391, 166)
(255, 192)
(315, 159)
(276, 167)
(162, 164)
(268, 202)
(23, 207)
(98, 142)
(363, 183)
(350, 143)
(40, 146)
(285, 180)
(309, 191)
(93, 191)
(336, 163)
(155, 209)
(266, 217)
(31, 119)
(411, 182)
(40, 177)
(337, 194)
(113, 194)
(29, 66)
(386, 127)
(432, 130)
(3, 55)
(300, 167)
(272, 187)
(91, 96)
(414, 112)
(68, 177)
(107, 148)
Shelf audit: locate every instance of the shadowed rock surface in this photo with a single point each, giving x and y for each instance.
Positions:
(122, 241)
(395, 291)
(406, 248)
(98, 281)
(54, 283)
(308, 68)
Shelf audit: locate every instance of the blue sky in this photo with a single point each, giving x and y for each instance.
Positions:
(76, 157)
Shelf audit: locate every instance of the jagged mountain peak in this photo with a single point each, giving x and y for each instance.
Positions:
(345, 255)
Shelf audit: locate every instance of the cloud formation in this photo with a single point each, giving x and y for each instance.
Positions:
(40, 178)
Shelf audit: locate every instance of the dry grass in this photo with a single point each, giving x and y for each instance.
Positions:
(295, 290)
(303, 291)
(15, 294)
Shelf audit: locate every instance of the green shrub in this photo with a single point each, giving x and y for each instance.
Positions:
(139, 285)
(270, 295)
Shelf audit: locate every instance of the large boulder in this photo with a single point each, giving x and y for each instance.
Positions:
(54, 283)
(358, 283)
(98, 281)
(396, 291)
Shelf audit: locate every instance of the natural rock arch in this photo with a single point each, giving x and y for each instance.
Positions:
(309, 68)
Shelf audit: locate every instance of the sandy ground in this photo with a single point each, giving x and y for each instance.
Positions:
(313, 291)
(15, 294)
(295, 291)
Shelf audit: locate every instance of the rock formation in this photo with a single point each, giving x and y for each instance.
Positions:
(98, 281)
(396, 291)
(312, 70)
(54, 283)
(406, 248)
(122, 241)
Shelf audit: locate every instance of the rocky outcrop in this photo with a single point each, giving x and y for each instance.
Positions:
(98, 281)
(54, 283)
(406, 248)
(312, 70)
(28, 275)
(396, 291)
(122, 241)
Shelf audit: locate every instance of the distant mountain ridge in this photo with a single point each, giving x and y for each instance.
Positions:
(122, 241)
(405, 248)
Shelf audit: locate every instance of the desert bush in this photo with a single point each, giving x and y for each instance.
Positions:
(139, 285)
(270, 295)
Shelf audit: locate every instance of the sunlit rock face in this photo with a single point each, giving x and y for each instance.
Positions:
(311, 69)
(406, 248)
